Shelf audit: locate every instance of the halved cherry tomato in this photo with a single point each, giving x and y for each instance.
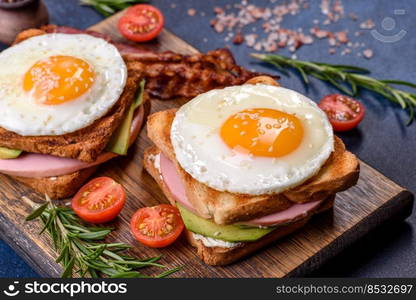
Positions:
(99, 201)
(141, 23)
(157, 226)
(343, 112)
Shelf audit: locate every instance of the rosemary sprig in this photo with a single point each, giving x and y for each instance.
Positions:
(109, 7)
(348, 79)
(80, 251)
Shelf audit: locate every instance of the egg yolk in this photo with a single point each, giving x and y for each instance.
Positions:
(58, 79)
(262, 132)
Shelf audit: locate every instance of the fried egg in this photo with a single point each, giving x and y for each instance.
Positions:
(251, 139)
(55, 84)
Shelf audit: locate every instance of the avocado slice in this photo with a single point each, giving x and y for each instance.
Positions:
(119, 142)
(6, 153)
(229, 233)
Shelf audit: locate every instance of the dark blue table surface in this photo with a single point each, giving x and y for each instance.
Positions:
(382, 140)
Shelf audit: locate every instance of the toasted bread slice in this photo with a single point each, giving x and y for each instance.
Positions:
(340, 172)
(221, 255)
(58, 187)
(85, 144)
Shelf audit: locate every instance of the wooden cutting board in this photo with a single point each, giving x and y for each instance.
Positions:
(374, 200)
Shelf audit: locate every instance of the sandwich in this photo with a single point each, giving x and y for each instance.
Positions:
(68, 102)
(73, 99)
(247, 165)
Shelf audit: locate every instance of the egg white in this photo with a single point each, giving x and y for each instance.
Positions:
(201, 152)
(21, 114)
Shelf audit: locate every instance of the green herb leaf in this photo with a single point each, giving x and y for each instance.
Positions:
(152, 259)
(399, 82)
(98, 252)
(67, 273)
(97, 235)
(64, 253)
(345, 68)
(140, 264)
(169, 272)
(132, 274)
(109, 7)
(304, 76)
(37, 212)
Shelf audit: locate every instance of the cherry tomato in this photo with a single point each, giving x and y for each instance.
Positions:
(157, 226)
(141, 23)
(343, 112)
(99, 201)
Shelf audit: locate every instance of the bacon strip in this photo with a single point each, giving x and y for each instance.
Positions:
(171, 75)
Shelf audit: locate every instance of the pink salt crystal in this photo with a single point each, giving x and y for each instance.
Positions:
(368, 53)
(271, 47)
(320, 34)
(238, 38)
(257, 46)
(368, 24)
(282, 44)
(332, 41)
(191, 12)
(307, 39)
(342, 37)
(219, 27)
(338, 7)
(250, 39)
(218, 10)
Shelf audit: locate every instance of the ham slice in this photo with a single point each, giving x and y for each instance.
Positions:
(173, 181)
(35, 165)
(176, 187)
(291, 214)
